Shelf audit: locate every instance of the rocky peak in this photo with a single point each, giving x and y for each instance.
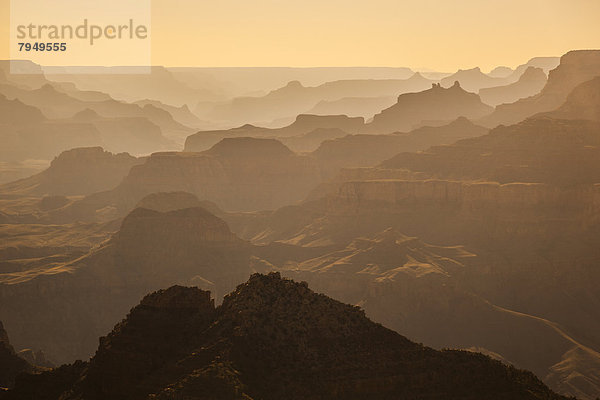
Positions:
(270, 305)
(162, 329)
(437, 105)
(179, 298)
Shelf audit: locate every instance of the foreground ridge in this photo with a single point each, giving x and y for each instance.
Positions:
(272, 338)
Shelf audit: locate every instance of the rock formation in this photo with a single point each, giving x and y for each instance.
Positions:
(472, 80)
(575, 67)
(436, 106)
(78, 171)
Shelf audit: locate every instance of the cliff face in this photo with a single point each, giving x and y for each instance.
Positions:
(529, 84)
(576, 67)
(271, 339)
(79, 171)
(436, 106)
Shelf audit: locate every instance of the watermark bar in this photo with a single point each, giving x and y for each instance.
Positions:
(80, 36)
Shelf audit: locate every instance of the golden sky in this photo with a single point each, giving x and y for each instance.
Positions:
(441, 35)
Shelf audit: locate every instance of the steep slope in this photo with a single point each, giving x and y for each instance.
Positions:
(79, 171)
(10, 363)
(271, 339)
(529, 84)
(575, 67)
(436, 106)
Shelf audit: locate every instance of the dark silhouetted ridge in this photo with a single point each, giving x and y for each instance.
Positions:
(273, 338)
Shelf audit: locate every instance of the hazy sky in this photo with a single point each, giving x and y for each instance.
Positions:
(442, 35)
